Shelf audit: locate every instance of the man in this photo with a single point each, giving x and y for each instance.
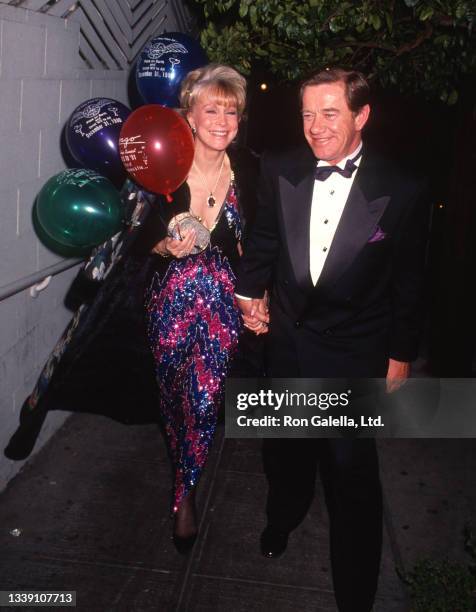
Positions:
(340, 240)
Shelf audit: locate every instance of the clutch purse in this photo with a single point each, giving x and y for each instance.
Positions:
(186, 221)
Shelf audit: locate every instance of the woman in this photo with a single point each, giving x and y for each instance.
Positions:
(111, 357)
(193, 322)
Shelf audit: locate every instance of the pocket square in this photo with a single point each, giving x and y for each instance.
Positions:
(378, 234)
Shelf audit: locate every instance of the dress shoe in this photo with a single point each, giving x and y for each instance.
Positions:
(184, 544)
(273, 542)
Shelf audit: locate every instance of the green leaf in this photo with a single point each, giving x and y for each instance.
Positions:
(441, 40)
(389, 22)
(452, 98)
(375, 21)
(243, 9)
(427, 13)
(253, 15)
(347, 51)
(461, 9)
(260, 52)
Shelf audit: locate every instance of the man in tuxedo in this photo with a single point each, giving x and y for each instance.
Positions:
(339, 240)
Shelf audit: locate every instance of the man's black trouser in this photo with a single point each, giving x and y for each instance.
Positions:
(349, 470)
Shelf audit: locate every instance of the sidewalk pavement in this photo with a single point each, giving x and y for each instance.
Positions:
(92, 510)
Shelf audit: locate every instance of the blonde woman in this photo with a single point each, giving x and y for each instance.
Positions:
(181, 255)
(193, 321)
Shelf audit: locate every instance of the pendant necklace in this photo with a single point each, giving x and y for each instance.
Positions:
(211, 200)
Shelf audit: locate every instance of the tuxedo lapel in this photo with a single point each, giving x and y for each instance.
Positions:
(295, 185)
(364, 207)
(296, 200)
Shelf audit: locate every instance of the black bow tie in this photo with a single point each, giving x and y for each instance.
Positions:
(322, 173)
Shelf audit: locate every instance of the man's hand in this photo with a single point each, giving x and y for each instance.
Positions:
(397, 373)
(255, 314)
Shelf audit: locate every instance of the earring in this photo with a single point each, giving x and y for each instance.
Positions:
(194, 131)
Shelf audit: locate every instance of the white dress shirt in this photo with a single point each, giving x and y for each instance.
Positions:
(328, 201)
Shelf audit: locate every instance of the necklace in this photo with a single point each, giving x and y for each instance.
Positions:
(211, 200)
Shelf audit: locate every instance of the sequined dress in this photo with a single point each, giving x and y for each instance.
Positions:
(193, 327)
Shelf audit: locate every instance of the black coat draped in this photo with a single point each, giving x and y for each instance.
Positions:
(102, 363)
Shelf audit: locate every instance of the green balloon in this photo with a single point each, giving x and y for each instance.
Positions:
(52, 245)
(79, 208)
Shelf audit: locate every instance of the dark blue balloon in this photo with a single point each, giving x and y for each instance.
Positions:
(92, 136)
(163, 64)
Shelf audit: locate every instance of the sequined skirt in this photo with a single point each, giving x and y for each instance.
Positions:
(193, 326)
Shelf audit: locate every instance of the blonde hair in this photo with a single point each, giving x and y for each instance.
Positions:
(223, 83)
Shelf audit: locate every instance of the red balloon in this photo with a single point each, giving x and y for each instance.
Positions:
(156, 148)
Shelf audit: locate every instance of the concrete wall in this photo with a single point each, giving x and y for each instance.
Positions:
(42, 80)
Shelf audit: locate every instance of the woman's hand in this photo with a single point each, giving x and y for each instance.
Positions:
(176, 248)
(255, 315)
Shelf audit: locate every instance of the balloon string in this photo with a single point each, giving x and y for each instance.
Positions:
(170, 199)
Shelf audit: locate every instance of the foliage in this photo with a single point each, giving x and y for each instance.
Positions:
(443, 586)
(420, 46)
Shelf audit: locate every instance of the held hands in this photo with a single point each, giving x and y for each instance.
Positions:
(176, 248)
(255, 314)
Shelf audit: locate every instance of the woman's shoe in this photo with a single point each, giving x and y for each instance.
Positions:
(184, 544)
(185, 523)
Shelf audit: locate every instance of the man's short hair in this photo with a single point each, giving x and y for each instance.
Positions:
(357, 89)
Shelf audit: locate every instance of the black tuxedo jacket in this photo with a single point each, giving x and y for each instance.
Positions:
(366, 305)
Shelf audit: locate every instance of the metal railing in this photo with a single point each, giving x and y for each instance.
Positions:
(37, 278)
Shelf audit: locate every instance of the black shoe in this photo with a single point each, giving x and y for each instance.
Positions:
(273, 542)
(184, 545)
(23, 440)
